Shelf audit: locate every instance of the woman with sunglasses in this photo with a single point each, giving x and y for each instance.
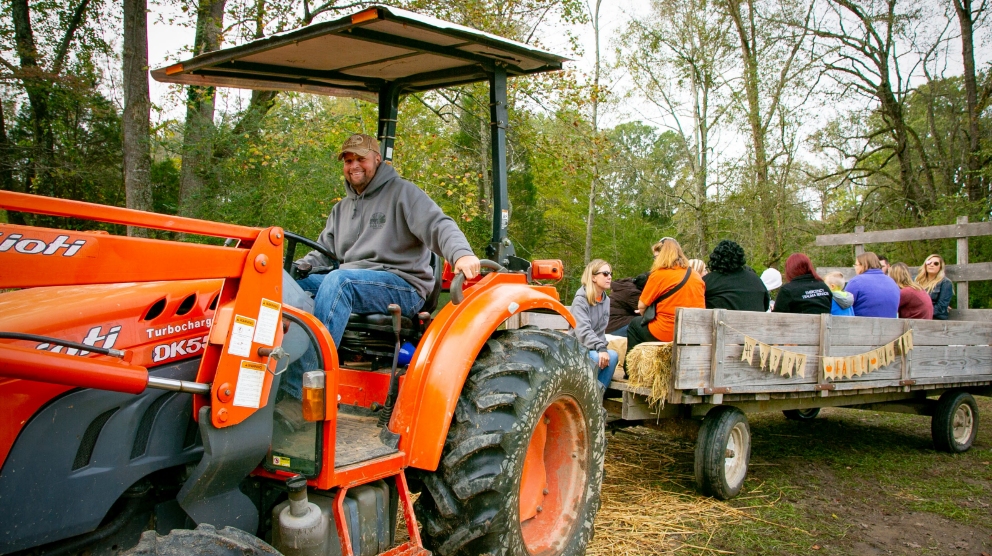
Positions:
(931, 278)
(591, 309)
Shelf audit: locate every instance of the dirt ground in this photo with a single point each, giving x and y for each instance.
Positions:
(849, 482)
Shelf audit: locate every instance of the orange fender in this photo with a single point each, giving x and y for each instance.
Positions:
(446, 353)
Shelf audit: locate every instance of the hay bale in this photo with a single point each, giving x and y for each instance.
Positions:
(649, 365)
(619, 345)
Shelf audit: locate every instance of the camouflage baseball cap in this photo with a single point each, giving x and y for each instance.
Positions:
(360, 144)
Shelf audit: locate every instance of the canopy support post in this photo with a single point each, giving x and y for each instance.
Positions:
(389, 107)
(499, 248)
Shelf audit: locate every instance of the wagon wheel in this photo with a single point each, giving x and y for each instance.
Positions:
(955, 422)
(523, 461)
(723, 451)
(801, 414)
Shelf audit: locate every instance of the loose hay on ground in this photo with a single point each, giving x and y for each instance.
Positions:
(642, 513)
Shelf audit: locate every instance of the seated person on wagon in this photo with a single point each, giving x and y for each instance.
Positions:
(591, 309)
(875, 294)
(914, 302)
(730, 284)
(671, 284)
(803, 291)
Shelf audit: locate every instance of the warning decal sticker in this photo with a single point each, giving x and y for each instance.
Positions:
(242, 331)
(251, 378)
(268, 321)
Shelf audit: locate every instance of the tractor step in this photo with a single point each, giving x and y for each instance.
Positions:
(357, 440)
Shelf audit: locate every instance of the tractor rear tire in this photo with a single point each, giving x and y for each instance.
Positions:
(801, 414)
(528, 389)
(205, 540)
(954, 424)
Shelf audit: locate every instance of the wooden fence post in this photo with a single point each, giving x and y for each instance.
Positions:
(859, 248)
(962, 260)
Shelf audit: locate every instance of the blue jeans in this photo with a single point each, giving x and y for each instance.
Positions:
(342, 292)
(622, 331)
(605, 374)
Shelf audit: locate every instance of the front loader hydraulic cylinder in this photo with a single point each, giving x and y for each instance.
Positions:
(72, 370)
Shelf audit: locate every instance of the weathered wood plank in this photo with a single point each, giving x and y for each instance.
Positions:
(977, 315)
(932, 383)
(695, 327)
(973, 272)
(951, 362)
(544, 321)
(951, 333)
(861, 331)
(908, 234)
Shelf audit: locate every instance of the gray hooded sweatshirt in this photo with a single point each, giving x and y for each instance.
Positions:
(590, 320)
(392, 226)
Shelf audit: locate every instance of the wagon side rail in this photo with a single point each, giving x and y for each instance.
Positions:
(707, 364)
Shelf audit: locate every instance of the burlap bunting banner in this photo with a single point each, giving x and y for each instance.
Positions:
(782, 362)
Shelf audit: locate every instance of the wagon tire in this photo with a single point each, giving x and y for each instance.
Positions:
(954, 424)
(526, 387)
(723, 451)
(205, 540)
(801, 414)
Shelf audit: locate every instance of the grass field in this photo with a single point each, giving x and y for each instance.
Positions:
(850, 482)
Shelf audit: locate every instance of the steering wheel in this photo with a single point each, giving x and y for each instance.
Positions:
(288, 260)
(457, 295)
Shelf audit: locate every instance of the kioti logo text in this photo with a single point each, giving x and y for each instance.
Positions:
(31, 246)
(93, 338)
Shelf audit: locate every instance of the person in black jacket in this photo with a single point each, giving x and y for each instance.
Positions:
(804, 291)
(730, 284)
(624, 294)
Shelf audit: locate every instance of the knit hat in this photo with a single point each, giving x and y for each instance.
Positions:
(771, 278)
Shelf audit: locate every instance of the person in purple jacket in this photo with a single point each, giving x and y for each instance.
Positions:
(875, 294)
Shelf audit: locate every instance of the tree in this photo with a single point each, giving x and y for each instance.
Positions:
(596, 92)
(137, 111)
(681, 60)
(37, 82)
(867, 60)
(967, 17)
(199, 131)
(770, 71)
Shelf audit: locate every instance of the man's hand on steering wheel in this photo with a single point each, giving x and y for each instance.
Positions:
(468, 265)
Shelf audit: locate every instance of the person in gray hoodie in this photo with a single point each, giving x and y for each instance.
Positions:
(381, 235)
(591, 309)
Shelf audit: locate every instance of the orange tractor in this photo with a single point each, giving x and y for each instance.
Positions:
(139, 378)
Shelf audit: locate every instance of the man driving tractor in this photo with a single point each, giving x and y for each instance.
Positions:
(381, 234)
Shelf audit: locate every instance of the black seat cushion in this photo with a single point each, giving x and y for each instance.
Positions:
(379, 320)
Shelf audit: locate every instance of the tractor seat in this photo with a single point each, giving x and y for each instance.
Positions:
(380, 322)
(367, 331)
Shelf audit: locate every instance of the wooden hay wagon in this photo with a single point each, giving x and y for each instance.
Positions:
(935, 374)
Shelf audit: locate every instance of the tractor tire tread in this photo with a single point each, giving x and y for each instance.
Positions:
(469, 505)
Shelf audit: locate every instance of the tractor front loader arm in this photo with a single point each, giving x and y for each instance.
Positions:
(435, 378)
(243, 335)
(79, 372)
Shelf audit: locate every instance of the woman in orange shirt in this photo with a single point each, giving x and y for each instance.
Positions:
(671, 276)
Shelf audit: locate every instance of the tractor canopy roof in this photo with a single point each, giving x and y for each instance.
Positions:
(357, 54)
